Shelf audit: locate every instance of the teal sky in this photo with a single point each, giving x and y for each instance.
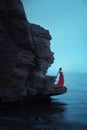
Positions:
(67, 22)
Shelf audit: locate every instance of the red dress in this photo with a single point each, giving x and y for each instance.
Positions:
(61, 80)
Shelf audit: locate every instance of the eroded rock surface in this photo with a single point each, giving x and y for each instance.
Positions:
(25, 55)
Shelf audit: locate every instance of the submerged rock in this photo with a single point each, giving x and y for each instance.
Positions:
(25, 56)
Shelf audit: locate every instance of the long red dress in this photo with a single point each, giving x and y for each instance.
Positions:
(61, 80)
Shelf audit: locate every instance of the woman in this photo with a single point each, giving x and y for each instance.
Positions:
(61, 78)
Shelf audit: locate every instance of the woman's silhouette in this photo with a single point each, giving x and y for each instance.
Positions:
(61, 78)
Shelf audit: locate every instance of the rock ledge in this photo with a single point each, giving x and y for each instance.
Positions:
(25, 57)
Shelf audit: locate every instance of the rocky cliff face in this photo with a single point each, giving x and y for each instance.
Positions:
(25, 55)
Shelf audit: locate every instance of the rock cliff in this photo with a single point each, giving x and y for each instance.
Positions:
(25, 56)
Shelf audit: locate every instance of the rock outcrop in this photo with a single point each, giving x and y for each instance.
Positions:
(25, 56)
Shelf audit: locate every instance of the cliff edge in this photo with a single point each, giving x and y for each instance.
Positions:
(25, 56)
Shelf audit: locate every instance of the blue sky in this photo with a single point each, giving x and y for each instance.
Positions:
(67, 22)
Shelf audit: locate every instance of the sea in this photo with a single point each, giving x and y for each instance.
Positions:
(63, 112)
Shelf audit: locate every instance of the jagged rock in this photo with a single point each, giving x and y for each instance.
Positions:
(25, 56)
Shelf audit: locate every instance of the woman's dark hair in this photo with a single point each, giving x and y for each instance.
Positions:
(60, 68)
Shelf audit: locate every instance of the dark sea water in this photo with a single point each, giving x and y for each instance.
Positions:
(63, 112)
(75, 100)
